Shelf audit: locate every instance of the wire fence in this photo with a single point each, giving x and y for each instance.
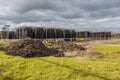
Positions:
(44, 33)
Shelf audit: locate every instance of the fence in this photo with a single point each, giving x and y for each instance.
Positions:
(55, 33)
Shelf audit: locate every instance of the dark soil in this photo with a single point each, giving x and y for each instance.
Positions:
(31, 48)
(68, 46)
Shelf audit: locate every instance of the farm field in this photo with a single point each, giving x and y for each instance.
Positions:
(101, 67)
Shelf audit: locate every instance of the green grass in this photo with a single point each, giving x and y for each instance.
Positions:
(4, 42)
(106, 49)
(53, 68)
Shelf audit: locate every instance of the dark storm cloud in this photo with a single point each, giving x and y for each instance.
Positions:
(27, 5)
(82, 14)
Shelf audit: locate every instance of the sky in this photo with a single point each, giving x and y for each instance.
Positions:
(75, 14)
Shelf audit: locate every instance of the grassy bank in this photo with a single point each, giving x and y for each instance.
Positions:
(107, 49)
(52, 68)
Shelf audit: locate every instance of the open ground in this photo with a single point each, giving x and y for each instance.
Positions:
(89, 67)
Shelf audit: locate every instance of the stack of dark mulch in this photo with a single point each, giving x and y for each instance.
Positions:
(31, 48)
(69, 46)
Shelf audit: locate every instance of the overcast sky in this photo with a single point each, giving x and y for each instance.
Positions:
(77, 14)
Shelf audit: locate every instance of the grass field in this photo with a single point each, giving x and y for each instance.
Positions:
(52, 68)
(106, 67)
(107, 49)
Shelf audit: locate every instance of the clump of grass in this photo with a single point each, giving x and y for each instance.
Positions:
(47, 43)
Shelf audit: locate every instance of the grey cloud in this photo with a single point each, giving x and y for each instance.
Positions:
(27, 5)
(80, 14)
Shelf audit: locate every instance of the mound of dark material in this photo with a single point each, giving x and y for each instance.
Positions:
(72, 46)
(31, 48)
(69, 46)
